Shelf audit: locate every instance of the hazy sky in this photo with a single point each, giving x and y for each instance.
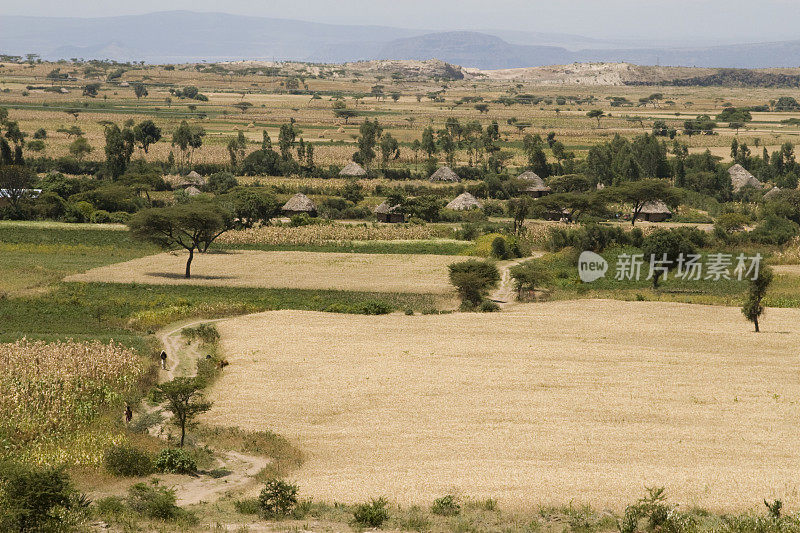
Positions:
(724, 20)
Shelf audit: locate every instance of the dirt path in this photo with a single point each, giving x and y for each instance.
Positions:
(505, 295)
(241, 468)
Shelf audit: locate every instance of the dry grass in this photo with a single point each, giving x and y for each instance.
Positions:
(419, 274)
(584, 401)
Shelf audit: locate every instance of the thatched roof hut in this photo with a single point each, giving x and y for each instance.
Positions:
(298, 204)
(444, 174)
(656, 211)
(385, 213)
(192, 190)
(772, 193)
(533, 185)
(353, 170)
(464, 202)
(741, 178)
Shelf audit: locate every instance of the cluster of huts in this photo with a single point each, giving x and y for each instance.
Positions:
(531, 185)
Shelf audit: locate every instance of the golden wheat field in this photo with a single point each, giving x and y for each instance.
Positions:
(582, 401)
(419, 274)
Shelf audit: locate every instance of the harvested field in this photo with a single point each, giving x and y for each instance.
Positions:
(582, 401)
(419, 274)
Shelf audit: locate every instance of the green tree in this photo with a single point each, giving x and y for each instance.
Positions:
(286, 137)
(639, 193)
(146, 133)
(16, 182)
(139, 90)
(188, 139)
(346, 114)
(757, 289)
(192, 226)
(119, 148)
(369, 133)
(664, 248)
(184, 399)
(596, 113)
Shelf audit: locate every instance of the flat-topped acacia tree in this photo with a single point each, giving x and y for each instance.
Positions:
(192, 226)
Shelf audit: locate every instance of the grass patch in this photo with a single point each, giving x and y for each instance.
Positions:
(285, 456)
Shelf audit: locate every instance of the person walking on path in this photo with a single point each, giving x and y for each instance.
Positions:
(163, 360)
(128, 414)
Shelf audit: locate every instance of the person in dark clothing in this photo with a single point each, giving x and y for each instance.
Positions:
(163, 360)
(128, 414)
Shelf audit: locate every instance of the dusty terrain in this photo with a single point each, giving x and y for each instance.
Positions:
(583, 401)
(424, 274)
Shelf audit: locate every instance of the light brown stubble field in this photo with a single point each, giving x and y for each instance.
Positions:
(418, 274)
(582, 401)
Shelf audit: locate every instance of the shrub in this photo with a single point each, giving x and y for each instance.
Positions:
(207, 333)
(499, 248)
(278, 498)
(100, 217)
(153, 501)
(35, 499)
(446, 506)
(488, 306)
(175, 461)
(473, 279)
(127, 461)
(372, 514)
(774, 230)
(110, 506)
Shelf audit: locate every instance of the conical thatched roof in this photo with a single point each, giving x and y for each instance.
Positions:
(772, 193)
(384, 209)
(531, 182)
(444, 174)
(300, 203)
(656, 207)
(463, 202)
(353, 169)
(741, 178)
(192, 190)
(192, 178)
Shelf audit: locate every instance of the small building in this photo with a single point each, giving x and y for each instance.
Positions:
(772, 193)
(464, 202)
(656, 211)
(353, 170)
(444, 174)
(532, 185)
(391, 215)
(300, 204)
(741, 178)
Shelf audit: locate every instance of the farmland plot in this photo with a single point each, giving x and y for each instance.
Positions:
(420, 274)
(584, 401)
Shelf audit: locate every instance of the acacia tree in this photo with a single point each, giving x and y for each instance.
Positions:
(184, 400)
(596, 113)
(139, 90)
(639, 193)
(192, 226)
(80, 148)
(753, 308)
(473, 279)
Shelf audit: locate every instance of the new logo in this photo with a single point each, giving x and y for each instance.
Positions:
(591, 267)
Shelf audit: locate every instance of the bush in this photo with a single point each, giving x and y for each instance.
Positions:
(247, 506)
(127, 461)
(446, 506)
(372, 514)
(278, 498)
(36, 499)
(175, 461)
(153, 501)
(110, 506)
(206, 333)
(100, 217)
(774, 230)
(373, 307)
(473, 279)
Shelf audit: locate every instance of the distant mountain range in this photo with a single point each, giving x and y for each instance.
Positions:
(183, 36)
